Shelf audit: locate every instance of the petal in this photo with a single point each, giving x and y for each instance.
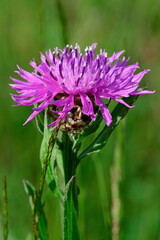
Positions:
(128, 71)
(31, 117)
(104, 110)
(28, 76)
(142, 92)
(26, 86)
(49, 55)
(115, 56)
(123, 102)
(68, 106)
(44, 104)
(138, 77)
(61, 102)
(87, 106)
(17, 81)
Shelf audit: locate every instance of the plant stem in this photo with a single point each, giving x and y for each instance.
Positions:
(5, 210)
(46, 163)
(71, 189)
(38, 193)
(69, 161)
(34, 220)
(117, 184)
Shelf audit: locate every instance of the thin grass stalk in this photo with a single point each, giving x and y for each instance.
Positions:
(117, 173)
(34, 218)
(5, 210)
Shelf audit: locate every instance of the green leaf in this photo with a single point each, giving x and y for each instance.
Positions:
(70, 217)
(29, 237)
(51, 174)
(93, 126)
(59, 159)
(42, 223)
(69, 154)
(118, 114)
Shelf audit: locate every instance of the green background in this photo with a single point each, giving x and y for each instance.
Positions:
(28, 27)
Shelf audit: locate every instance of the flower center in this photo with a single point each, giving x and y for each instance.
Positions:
(76, 120)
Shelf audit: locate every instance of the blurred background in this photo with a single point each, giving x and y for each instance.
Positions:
(30, 26)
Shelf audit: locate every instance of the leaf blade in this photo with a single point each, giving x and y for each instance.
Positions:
(118, 114)
(70, 218)
(42, 223)
(51, 174)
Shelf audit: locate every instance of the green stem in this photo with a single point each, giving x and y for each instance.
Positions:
(5, 210)
(46, 163)
(68, 157)
(38, 193)
(34, 220)
(71, 189)
(121, 140)
(117, 185)
(69, 161)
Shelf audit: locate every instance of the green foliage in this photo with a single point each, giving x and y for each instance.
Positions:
(118, 113)
(51, 174)
(93, 126)
(70, 217)
(42, 222)
(114, 25)
(69, 153)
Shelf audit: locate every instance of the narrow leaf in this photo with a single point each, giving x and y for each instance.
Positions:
(59, 159)
(42, 223)
(51, 173)
(70, 217)
(93, 126)
(118, 113)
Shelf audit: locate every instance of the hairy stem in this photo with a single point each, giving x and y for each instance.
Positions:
(38, 193)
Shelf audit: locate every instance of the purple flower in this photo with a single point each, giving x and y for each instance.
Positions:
(73, 85)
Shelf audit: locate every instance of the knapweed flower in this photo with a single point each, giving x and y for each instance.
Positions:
(73, 85)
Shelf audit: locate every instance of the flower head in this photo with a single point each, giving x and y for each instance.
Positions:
(73, 85)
